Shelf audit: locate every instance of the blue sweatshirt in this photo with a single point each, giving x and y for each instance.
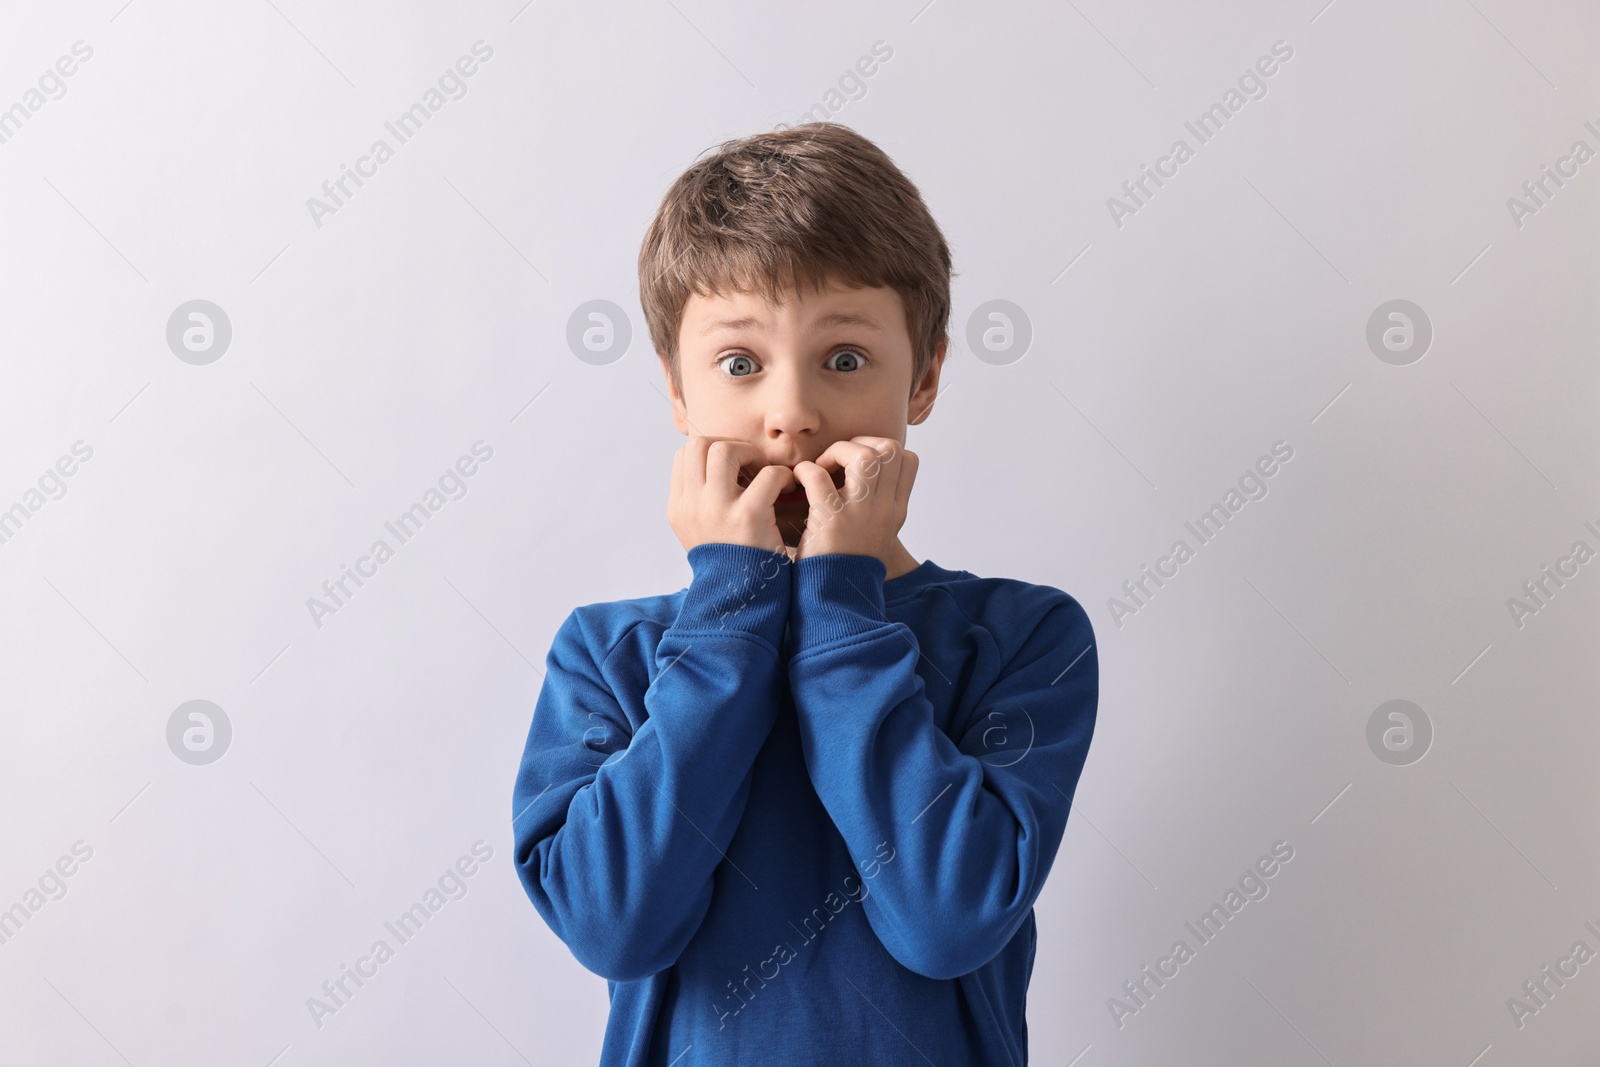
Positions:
(798, 814)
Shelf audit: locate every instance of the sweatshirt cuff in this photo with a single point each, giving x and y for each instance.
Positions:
(737, 588)
(836, 595)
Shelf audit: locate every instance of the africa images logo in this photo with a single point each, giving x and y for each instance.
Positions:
(451, 86)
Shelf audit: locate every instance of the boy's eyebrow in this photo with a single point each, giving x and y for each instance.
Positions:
(836, 318)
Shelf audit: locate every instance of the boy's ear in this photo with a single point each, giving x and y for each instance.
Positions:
(680, 411)
(922, 400)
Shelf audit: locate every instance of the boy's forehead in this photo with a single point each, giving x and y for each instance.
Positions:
(874, 308)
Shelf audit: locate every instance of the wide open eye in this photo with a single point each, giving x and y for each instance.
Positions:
(853, 360)
(743, 366)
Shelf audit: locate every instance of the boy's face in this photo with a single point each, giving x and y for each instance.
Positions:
(794, 378)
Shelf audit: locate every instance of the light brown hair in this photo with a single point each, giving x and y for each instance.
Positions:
(807, 204)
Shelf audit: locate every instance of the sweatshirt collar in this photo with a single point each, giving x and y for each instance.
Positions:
(923, 574)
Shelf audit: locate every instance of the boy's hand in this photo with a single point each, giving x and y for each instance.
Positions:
(864, 518)
(707, 504)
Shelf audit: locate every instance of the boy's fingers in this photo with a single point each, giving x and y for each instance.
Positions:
(885, 450)
(907, 463)
(901, 463)
(694, 465)
(886, 447)
(714, 460)
(892, 456)
(767, 484)
(860, 463)
(839, 455)
(816, 481)
(729, 459)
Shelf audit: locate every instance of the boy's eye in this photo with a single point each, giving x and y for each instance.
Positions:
(744, 364)
(853, 359)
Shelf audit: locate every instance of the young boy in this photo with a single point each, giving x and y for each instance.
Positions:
(799, 811)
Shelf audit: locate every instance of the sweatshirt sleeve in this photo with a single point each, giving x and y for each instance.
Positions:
(618, 829)
(965, 828)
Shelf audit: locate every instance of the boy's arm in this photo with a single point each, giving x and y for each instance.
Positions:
(617, 831)
(968, 827)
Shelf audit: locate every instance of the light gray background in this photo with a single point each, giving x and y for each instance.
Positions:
(1168, 354)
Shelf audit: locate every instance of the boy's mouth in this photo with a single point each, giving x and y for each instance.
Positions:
(796, 495)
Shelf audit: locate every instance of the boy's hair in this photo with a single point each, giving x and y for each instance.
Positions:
(810, 203)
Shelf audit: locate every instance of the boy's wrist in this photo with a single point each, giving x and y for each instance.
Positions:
(737, 587)
(836, 595)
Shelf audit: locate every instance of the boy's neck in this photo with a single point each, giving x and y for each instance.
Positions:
(900, 562)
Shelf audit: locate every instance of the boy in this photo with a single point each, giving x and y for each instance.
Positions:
(799, 811)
